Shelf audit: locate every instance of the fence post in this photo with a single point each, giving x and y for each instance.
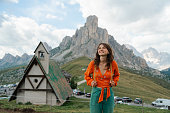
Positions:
(142, 106)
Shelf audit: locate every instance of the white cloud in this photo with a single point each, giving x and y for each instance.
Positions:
(14, 1)
(60, 4)
(20, 35)
(49, 16)
(140, 23)
(72, 2)
(50, 10)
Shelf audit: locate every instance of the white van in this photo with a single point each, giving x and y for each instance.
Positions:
(161, 102)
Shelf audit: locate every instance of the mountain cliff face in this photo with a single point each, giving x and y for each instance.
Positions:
(85, 41)
(9, 60)
(137, 53)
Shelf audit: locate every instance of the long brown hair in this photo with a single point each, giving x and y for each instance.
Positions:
(110, 56)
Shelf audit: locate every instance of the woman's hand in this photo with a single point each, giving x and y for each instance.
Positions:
(93, 83)
(112, 83)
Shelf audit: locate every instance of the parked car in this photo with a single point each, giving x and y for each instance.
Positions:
(119, 102)
(88, 95)
(117, 99)
(1, 86)
(138, 101)
(161, 102)
(77, 92)
(126, 99)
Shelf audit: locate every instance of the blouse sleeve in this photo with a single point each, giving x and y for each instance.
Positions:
(115, 72)
(89, 71)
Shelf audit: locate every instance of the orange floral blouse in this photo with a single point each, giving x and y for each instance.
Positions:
(103, 81)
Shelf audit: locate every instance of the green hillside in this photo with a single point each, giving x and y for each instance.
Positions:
(11, 75)
(131, 85)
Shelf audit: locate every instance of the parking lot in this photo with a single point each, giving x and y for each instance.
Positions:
(127, 103)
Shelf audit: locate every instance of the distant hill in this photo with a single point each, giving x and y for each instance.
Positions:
(130, 84)
(166, 72)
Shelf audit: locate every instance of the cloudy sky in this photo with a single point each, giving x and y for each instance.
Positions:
(24, 23)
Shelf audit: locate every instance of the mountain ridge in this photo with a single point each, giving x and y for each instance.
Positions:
(10, 61)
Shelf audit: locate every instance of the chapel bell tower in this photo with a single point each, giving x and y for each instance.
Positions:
(42, 53)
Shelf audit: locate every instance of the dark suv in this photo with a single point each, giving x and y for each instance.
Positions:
(138, 101)
(126, 99)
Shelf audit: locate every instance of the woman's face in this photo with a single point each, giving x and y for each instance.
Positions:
(102, 50)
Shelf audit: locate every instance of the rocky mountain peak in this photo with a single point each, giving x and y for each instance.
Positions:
(8, 57)
(92, 23)
(24, 55)
(48, 48)
(151, 50)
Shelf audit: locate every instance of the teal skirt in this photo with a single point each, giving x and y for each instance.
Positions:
(104, 106)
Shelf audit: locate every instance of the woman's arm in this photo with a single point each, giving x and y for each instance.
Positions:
(89, 71)
(115, 72)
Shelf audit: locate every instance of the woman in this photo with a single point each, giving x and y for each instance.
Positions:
(102, 73)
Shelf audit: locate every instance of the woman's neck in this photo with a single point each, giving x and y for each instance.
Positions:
(103, 59)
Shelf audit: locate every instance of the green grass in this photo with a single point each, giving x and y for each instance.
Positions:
(76, 106)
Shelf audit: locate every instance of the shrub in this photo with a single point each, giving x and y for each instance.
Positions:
(28, 103)
(20, 103)
(73, 84)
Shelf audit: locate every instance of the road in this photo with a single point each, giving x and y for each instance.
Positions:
(83, 81)
(131, 104)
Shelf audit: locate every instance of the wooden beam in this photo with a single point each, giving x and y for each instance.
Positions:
(35, 89)
(30, 82)
(40, 82)
(34, 75)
